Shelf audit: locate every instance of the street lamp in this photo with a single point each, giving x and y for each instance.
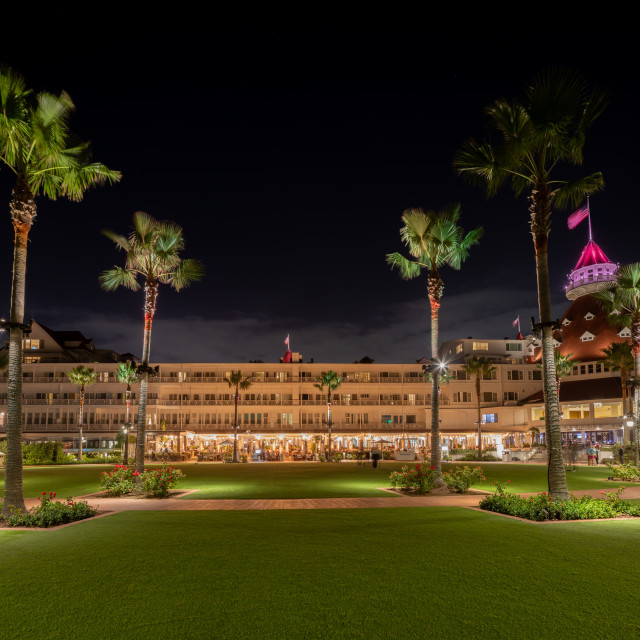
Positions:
(125, 456)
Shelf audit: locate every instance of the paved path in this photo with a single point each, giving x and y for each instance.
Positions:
(140, 504)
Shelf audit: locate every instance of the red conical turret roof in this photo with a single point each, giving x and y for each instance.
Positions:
(591, 254)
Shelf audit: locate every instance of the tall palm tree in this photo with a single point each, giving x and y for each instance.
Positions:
(83, 377)
(332, 381)
(434, 240)
(237, 382)
(153, 255)
(479, 367)
(617, 357)
(127, 373)
(37, 146)
(622, 302)
(531, 139)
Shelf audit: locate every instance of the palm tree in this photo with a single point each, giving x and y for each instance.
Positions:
(127, 373)
(617, 357)
(532, 138)
(332, 381)
(237, 382)
(83, 377)
(153, 254)
(37, 146)
(479, 367)
(622, 302)
(434, 240)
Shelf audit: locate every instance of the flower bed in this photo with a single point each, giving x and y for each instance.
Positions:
(625, 471)
(157, 482)
(51, 514)
(419, 479)
(459, 479)
(543, 507)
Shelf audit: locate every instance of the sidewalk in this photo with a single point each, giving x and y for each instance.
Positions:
(155, 504)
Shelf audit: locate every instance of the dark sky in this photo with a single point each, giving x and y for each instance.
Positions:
(288, 157)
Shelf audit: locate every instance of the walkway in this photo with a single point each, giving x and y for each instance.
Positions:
(155, 504)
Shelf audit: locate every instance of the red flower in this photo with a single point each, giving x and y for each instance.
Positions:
(544, 493)
(508, 481)
(432, 467)
(602, 493)
(44, 493)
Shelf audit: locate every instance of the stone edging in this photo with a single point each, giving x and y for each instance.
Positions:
(100, 495)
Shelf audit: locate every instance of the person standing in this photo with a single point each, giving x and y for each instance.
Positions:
(621, 453)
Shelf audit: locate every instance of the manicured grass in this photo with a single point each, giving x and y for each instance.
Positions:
(363, 573)
(297, 480)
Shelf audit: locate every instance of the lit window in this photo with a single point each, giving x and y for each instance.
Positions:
(489, 418)
(459, 348)
(481, 346)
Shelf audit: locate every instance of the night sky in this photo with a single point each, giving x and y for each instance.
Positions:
(288, 157)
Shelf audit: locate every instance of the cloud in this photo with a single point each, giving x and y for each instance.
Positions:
(398, 333)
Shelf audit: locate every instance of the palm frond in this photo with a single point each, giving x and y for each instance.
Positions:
(574, 192)
(408, 269)
(111, 279)
(188, 271)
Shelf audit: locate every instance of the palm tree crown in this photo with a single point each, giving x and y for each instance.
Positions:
(127, 373)
(82, 376)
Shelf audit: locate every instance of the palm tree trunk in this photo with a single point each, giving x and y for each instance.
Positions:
(329, 453)
(540, 216)
(81, 423)
(635, 351)
(23, 212)
(435, 288)
(125, 458)
(235, 428)
(479, 418)
(150, 297)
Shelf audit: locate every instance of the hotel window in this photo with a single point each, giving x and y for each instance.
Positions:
(514, 346)
(346, 399)
(515, 374)
(574, 370)
(411, 419)
(481, 346)
(583, 369)
(598, 367)
(459, 347)
(575, 411)
(589, 316)
(29, 343)
(492, 375)
(461, 396)
(510, 396)
(587, 337)
(490, 396)
(461, 374)
(411, 399)
(607, 410)
(31, 359)
(489, 418)
(590, 368)
(535, 375)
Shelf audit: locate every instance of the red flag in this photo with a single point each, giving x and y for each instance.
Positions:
(286, 341)
(516, 322)
(578, 216)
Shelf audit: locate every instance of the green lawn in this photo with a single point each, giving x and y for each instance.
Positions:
(298, 480)
(363, 573)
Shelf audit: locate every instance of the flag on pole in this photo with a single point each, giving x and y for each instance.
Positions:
(516, 322)
(578, 216)
(286, 340)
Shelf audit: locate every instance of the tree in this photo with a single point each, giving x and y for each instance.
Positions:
(332, 381)
(127, 373)
(237, 382)
(618, 357)
(83, 377)
(622, 302)
(434, 240)
(562, 367)
(531, 139)
(479, 367)
(153, 255)
(37, 146)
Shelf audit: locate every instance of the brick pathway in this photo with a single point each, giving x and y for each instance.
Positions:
(138, 504)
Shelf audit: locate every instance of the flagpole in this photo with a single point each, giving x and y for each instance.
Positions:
(589, 216)
(519, 331)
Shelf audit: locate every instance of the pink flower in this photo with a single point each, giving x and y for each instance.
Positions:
(602, 493)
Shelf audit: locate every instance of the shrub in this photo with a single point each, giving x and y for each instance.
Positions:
(470, 457)
(50, 513)
(460, 479)
(419, 478)
(624, 471)
(157, 482)
(120, 481)
(43, 453)
(543, 507)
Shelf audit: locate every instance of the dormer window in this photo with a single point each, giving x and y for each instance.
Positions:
(587, 337)
(556, 344)
(589, 316)
(625, 333)
(566, 322)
